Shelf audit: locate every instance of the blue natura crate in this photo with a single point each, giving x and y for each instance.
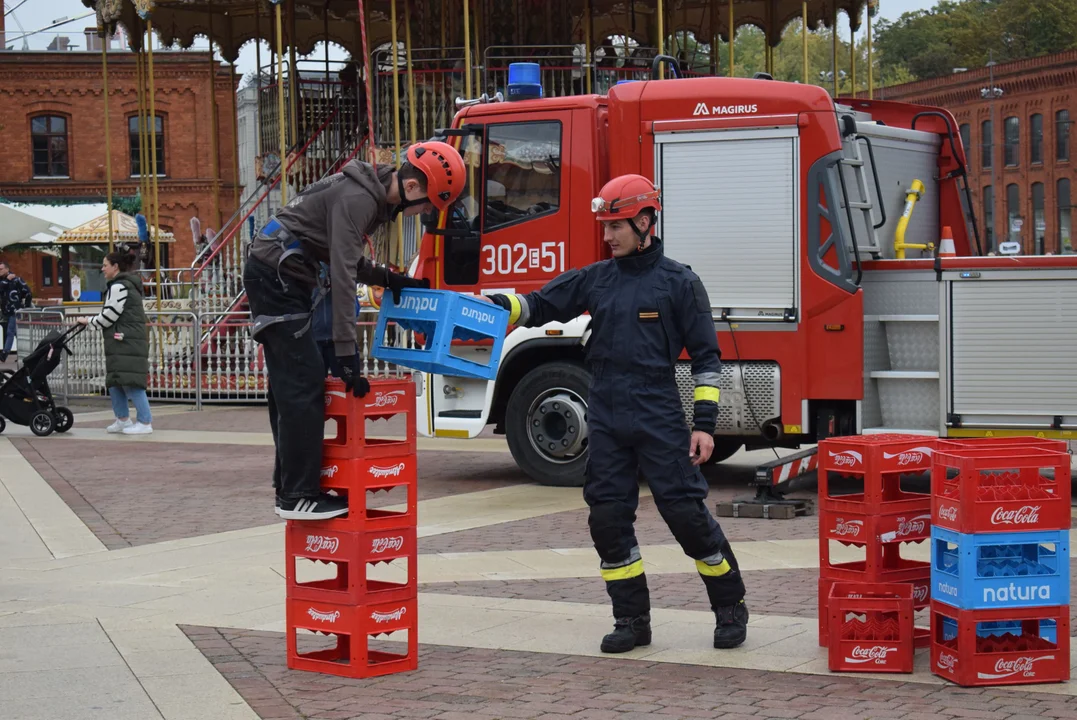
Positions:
(1000, 570)
(442, 316)
(1047, 629)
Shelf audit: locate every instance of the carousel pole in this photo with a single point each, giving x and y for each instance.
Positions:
(153, 170)
(412, 109)
(852, 53)
(396, 117)
(588, 42)
(369, 83)
(143, 140)
(871, 66)
(235, 134)
(834, 48)
(214, 141)
(281, 120)
(804, 37)
(258, 76)
(108, 145)
(478, 50)
(293, 76)
(661, 44)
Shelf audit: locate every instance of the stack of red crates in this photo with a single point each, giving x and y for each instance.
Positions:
(863, 614)
(351, 606)
(1000, 561)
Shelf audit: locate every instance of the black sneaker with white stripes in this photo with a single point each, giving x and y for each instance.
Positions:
(319, 507)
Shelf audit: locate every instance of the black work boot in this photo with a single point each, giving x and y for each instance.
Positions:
(732, 625)
(628, 633)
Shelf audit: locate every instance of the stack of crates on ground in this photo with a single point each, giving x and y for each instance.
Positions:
(1000, 565)
(866, 606)
(353, 606)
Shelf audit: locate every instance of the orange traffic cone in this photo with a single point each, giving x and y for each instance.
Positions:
(946, 243)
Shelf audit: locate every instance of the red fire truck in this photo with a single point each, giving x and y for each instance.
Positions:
(814, 225)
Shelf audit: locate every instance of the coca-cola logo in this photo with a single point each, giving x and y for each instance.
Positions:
(329, 472)
(322, 616)
(319, 543)
(384, 472)
(948, 513)
(383, 399)
(1023, 666)
(915, 526)
(382, 544)
(920, 593)
(846, 458)
(912, 456)
(384, 617)
(875, 653)
(1026, 515)
(330, 394)
(844, 527)
(946, 662)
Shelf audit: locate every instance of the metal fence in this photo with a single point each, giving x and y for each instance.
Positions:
(193, 357)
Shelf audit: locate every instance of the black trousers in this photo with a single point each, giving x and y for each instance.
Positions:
(296, 381)
(636, 424)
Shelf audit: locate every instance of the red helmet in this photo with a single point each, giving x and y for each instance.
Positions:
(444, 170)
(625, 197)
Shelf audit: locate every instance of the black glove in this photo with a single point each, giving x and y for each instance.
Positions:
(398, 282)
(349, 368)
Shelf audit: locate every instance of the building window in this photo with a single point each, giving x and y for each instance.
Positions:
(46, 271)
(989, 218)
(1014, 221)
(132, 133)
(987, 146)
(1012, 130)
(1036, 139)
(1065, 241)
(1039, 222)
(1062, 134)
(48, 134)
(966, 138)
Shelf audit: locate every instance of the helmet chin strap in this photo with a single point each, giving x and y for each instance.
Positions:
(404, 203)
(641, 234)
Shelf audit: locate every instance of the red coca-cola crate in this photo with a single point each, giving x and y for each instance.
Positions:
(350, 553)
(1000, 647)
(360, 481)
(883, 562)
(1004, 489)
(887, 527)
(1021, 441)
(871, 627)
(878, 463)
(353, 626)
(921, 598)
(388, 398)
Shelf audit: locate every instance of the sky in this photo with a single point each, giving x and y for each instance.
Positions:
(36, 14)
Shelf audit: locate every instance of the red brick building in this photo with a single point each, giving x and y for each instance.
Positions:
(52, 121)
(1019, 144)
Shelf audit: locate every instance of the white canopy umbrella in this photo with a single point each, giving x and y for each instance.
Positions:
(19, 228)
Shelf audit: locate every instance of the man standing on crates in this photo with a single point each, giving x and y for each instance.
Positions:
(645, 309)
(328, 223)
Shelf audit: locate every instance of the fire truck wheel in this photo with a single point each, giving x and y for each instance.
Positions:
(546, 425)
(724, 448)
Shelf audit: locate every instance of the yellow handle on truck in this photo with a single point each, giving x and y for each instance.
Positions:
(915, 193)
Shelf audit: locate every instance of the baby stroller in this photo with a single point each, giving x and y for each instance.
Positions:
(25, 398)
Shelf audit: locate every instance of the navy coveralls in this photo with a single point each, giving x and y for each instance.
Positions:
(645, 308)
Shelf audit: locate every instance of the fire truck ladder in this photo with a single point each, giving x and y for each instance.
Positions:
(857, 163)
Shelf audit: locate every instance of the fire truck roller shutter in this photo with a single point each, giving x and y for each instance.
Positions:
(730, 211)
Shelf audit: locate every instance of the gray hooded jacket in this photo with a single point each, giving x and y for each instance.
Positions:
(331, 218)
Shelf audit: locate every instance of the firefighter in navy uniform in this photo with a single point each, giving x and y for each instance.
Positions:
(645, 309)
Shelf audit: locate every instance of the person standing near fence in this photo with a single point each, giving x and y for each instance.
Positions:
(15, 295)
(123, 323)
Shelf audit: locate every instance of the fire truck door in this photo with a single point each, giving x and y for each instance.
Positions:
(730, 210)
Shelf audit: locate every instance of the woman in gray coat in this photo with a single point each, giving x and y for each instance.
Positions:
(123, 322)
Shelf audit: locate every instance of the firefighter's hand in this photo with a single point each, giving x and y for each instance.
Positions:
(701, 448)
(349, 367)
(399, 281)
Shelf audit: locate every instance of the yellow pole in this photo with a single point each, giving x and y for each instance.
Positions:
(871, 66)
(852, 54)
(396, 114)
(804, 37)
(280, 109)
(412, 119)
(732, 34)
(293, 75)
(235, 135)
(834, 48)
(467, 49)
(258, 78)
(587, 71)
(108, 145)
(661, 37)
(214, 141)
(153, 170)
(478, 51)
(140, 88)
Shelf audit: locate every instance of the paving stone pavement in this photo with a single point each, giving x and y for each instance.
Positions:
(470, 684)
